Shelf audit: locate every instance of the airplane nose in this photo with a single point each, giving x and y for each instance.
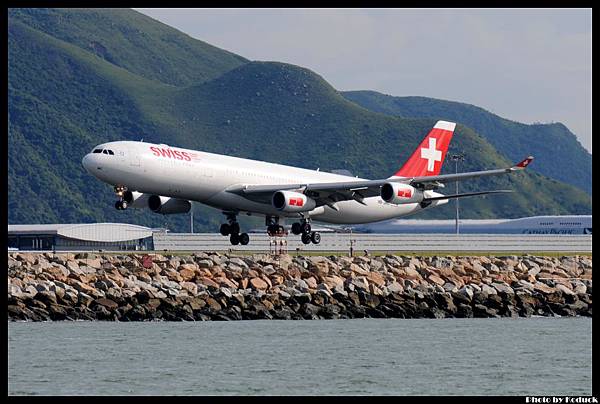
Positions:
(86, 162)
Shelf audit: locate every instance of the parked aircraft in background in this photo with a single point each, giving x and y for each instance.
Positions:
(165, 179)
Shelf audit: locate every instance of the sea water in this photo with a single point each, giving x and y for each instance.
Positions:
(503, 356)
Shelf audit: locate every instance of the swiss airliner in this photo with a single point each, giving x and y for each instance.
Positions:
(166, 179)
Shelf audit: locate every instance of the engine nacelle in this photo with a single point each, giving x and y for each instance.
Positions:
(288, 201)
(136, 199)
(168, 206)
(400, 194)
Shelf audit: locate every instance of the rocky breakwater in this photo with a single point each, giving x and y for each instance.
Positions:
(212, 286)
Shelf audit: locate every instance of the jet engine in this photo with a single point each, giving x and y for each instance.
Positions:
(288, 201)
(136, 199)
(167, 206)
(399, 194)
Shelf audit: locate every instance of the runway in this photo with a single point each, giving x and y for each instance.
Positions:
(381, 242)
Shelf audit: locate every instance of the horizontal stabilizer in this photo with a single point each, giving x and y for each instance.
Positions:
(437, 198)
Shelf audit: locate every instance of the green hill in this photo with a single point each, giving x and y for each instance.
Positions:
(558, 153)
(133, 41)
(64, 98)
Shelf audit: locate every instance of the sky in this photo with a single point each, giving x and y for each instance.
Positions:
(527, 65)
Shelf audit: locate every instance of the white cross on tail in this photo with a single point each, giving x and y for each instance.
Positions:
(431, 154)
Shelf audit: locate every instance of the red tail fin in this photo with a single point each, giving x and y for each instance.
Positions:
(429, 156)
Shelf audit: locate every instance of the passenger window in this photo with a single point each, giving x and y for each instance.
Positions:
(97, 151)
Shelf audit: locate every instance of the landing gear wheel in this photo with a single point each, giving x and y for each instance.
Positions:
(244, 239)
(315, 237)
(279, 228)
(234, 239)
(225, 229)
(305, 227)
(235, 228)
(296, 228)
(121, 205)
(305, 238)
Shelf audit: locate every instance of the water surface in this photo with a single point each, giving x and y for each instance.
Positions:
(506, 356)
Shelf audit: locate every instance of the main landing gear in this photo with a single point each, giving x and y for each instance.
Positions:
(308, 236)
(273, 226)
(121, 204)
(232, 229)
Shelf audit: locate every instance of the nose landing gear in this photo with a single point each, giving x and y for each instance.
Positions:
(232, 229)
(121, 204)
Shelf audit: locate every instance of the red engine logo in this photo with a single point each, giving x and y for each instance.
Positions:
(169, 153)
(405, 193)
(296, 202)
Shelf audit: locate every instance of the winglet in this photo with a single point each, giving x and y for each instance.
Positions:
(524, 163)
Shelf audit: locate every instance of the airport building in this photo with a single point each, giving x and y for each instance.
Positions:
(80, 237)
(574, 224)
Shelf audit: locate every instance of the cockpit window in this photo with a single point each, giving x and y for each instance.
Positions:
(97, 151)
(104, 151)
(111, 153)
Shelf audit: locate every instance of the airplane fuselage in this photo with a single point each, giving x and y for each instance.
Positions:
(205, 177)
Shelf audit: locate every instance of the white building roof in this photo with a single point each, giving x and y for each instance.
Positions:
(104, 232)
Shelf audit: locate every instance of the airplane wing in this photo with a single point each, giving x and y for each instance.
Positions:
(327, 193)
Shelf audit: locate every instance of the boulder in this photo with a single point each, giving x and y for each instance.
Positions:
(564, 289)
(502, 287)
(542, 288)
(466, 291)
(207, 282)
(108, 303)
(376, 278)
(223, 281)
(411, 273)
(259, 284)
(360, 282)
(239, 262)
(321, 268)
(395, 287)
(192, 288)
(436, 280)
(187, 274)
(311, 282)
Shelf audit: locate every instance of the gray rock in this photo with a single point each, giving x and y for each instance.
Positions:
(159, 294)
(467, 291)
(284, 294)
(85, 299)
(488, 290)
(525, 285)
(205, 263)
(239, 262)
(301, 285)
(579, 287)
(503, 287)
(564, 289)
(14, 290)
(450, 287)
(395, 287)
(360, 282)
(226, 292)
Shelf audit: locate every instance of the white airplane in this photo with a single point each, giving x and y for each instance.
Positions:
(166, 179)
